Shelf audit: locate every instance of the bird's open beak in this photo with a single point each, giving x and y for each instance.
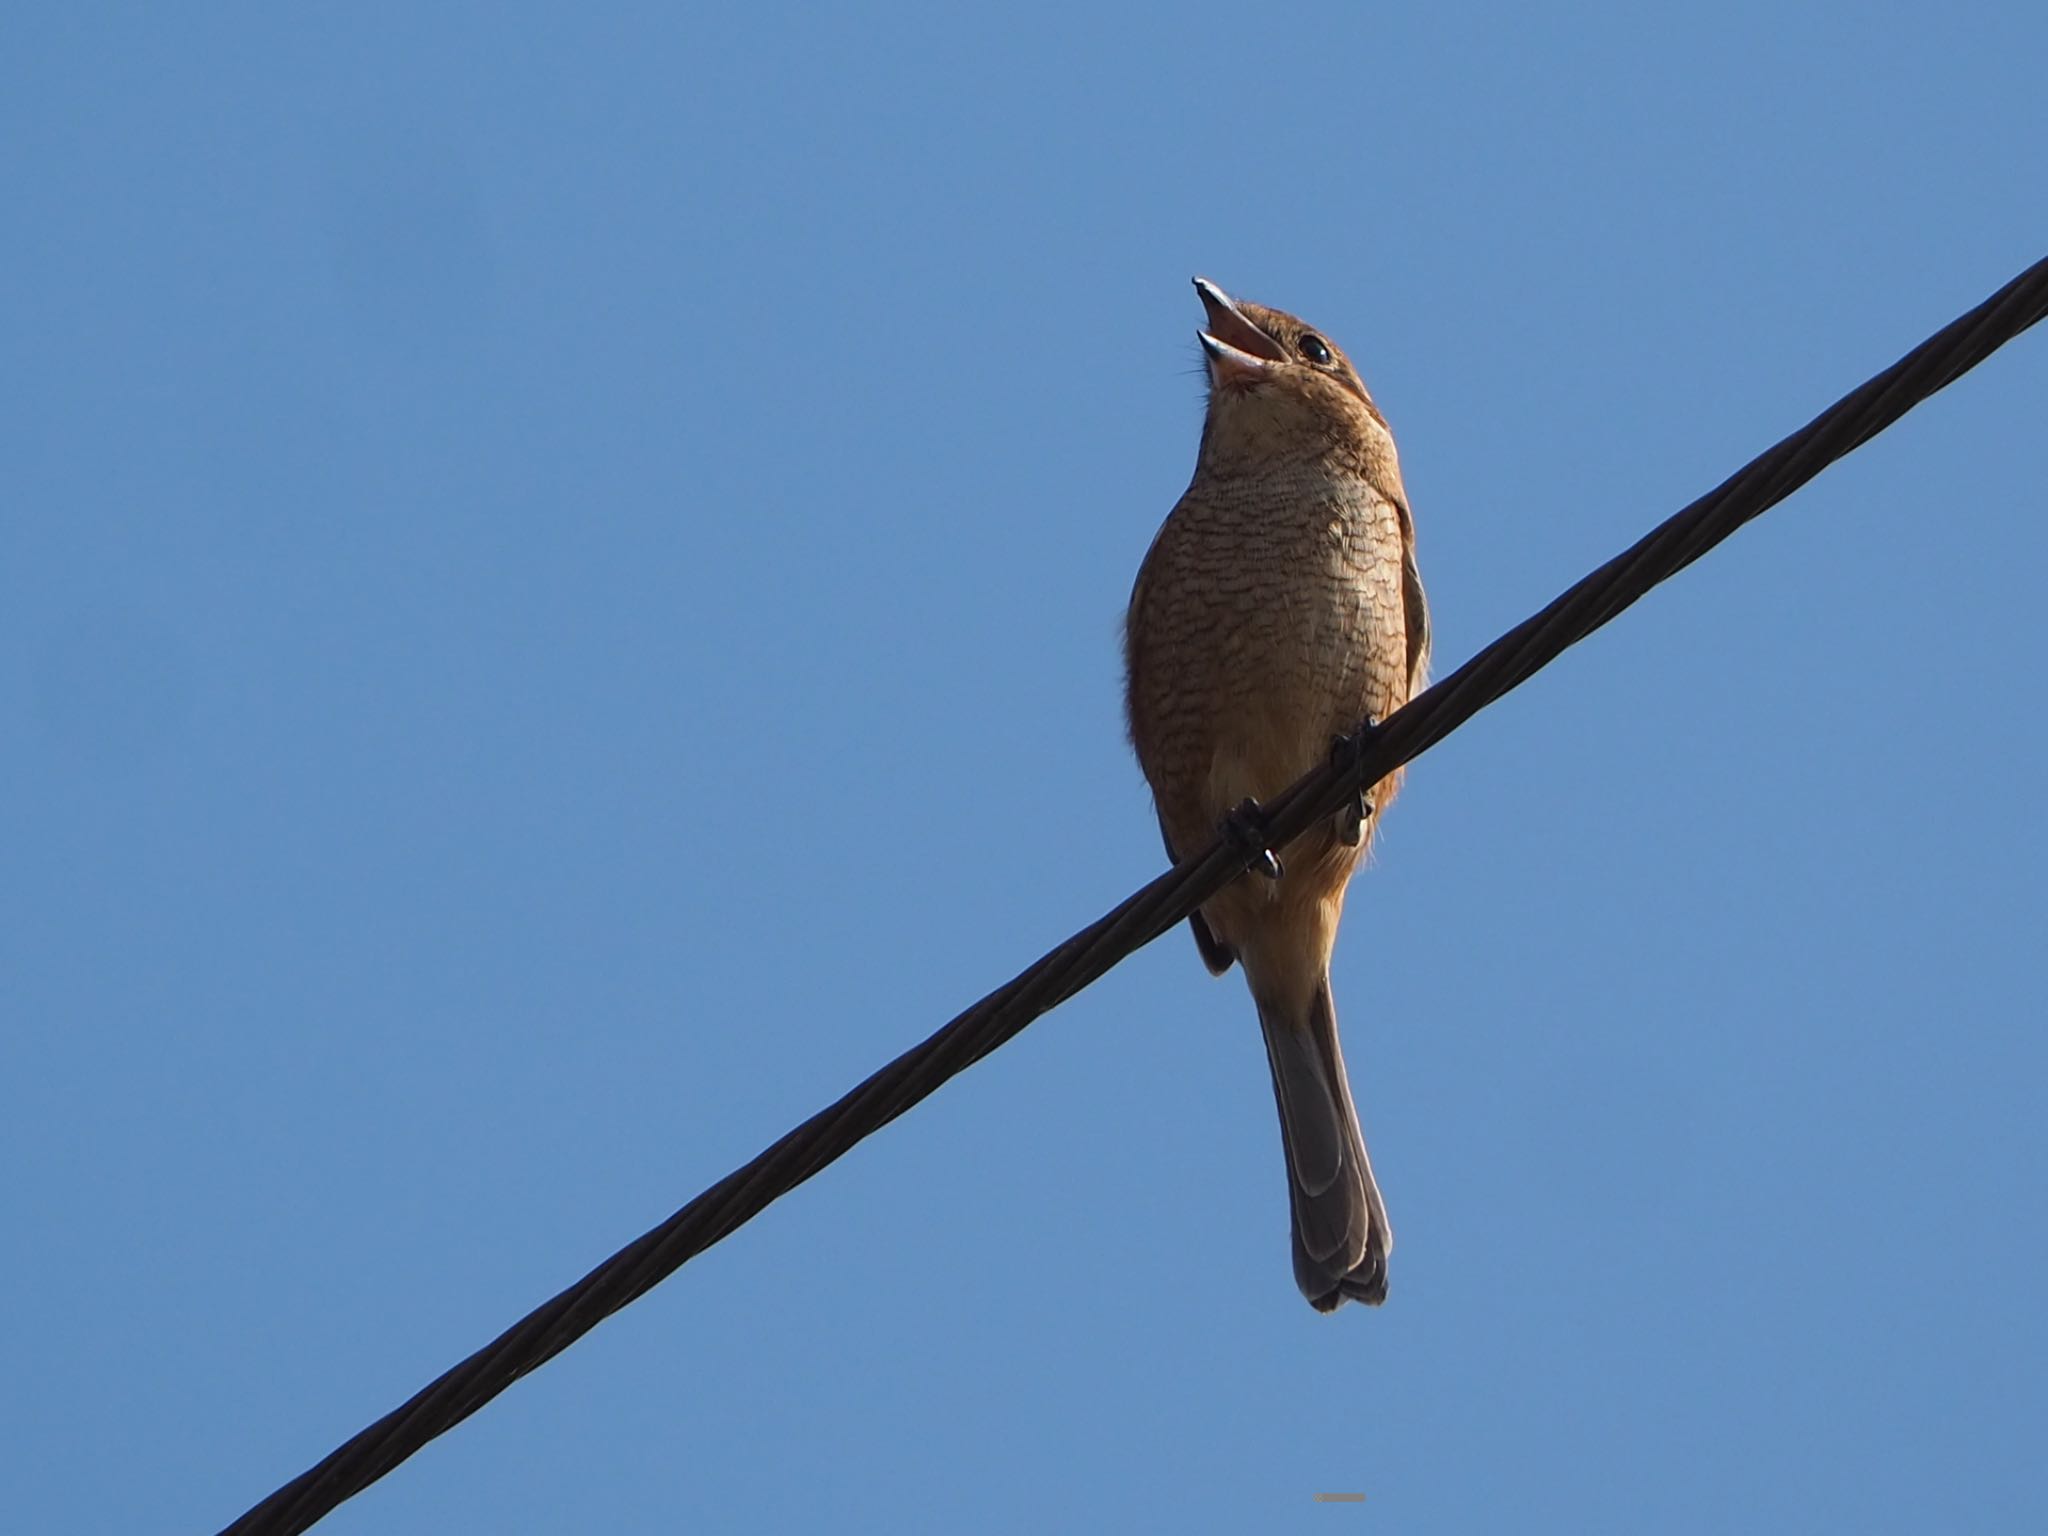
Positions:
(1238, 350)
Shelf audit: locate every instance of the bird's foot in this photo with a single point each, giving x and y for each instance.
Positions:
(1246, 827)
(1345, 751)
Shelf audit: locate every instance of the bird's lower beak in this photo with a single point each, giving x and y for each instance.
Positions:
(1237, 349)
(1227, 365)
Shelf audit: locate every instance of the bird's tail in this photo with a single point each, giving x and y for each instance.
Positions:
(1341, 1236)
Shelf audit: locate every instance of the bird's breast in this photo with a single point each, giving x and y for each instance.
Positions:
(1267, 620)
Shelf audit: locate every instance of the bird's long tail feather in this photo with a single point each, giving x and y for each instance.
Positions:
(1341, 1236)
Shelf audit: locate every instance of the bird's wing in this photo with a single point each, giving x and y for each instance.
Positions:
(1217, 955)
(1417, 608)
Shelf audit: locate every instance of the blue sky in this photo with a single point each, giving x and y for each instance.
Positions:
(559, 587)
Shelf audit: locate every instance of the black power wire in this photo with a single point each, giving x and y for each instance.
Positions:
(1503, 665)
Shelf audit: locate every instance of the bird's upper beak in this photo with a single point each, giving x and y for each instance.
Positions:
(1238, 350)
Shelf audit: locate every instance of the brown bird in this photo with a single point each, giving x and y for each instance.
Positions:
(1279, 610)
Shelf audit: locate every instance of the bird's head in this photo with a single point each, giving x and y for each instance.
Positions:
(1279, 389)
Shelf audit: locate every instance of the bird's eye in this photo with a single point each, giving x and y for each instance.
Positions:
(1315, 349)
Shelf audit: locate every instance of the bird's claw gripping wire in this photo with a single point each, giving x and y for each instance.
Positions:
(1345, 751)
(1246, 827)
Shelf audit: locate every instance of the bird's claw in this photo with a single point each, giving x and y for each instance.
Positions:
(1345, 751)
(1246, 827)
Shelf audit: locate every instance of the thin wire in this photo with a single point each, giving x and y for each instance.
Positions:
(1160, 906)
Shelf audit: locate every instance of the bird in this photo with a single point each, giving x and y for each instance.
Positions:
(1277, 614)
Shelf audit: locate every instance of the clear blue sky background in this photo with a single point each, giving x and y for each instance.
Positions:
(559, 585)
